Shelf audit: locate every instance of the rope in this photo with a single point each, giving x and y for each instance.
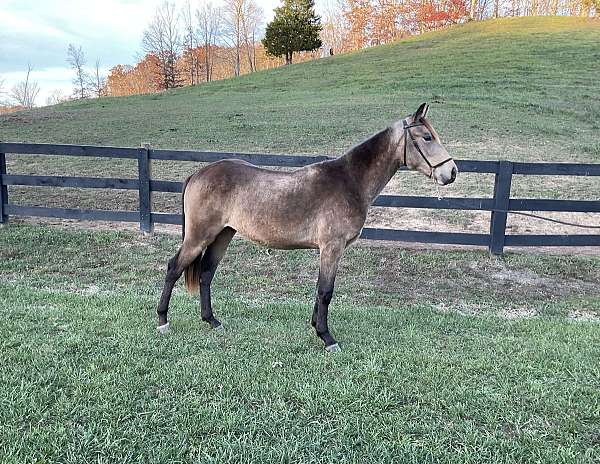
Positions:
(543, 218)
(535, 216)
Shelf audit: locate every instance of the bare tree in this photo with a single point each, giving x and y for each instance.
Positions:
(97, 81)
(25, 92)
(76, 58)
(335, 27)
(209, 26)
(56, 96)
(162, 40)
(233, 14)
(2, 91)
(252, 18)
(189, 42)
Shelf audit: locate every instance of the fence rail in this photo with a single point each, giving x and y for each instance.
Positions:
(500, 205)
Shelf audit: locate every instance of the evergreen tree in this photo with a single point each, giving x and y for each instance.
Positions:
(295, 28)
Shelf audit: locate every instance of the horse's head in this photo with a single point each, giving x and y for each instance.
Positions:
(420, 149)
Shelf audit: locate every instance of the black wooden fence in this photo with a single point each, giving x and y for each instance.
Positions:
(500, 205)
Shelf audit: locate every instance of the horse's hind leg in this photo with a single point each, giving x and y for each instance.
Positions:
(182, 259)
(208, 266)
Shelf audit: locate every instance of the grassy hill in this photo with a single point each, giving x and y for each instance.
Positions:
(524, 88)
(520, 89)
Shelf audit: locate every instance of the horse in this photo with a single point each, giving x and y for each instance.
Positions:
(321, 206)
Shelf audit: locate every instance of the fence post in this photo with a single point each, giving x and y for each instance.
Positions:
(502, 183)
(145, 194)
(3, 190)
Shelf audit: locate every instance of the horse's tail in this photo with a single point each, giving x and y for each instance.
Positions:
(192, 272)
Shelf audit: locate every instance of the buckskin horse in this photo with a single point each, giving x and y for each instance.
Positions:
(323, 205)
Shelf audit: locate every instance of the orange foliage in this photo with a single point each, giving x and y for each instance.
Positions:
(434, 14)
(359, 15)
(144, 77)
(10, 109)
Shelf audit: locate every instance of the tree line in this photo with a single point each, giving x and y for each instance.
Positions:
(191, 45)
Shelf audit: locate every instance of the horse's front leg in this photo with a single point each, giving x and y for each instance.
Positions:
(331, 253)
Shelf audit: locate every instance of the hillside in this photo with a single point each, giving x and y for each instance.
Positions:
(519, 89)
(524, 87)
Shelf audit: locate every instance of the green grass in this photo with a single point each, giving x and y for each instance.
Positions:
(519, 89)
(85, 378)
(438, 366)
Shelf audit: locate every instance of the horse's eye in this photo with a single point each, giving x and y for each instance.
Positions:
(427, 138)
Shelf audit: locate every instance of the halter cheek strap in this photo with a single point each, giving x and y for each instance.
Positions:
(408, 134)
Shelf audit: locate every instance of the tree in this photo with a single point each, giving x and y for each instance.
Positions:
(25, 92)
(360, 16)
(97, 82)
(233, 14)
(76, 59)
(251, 20)
(1, 90)
(161, 39)
(334, 32)
(56, 97)
(144, 77)
(295, 28)
(209, 24)
(189, 43)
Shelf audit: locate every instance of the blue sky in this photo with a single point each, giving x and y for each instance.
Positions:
(38, 32)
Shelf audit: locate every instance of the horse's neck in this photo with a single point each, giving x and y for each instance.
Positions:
(372, 164)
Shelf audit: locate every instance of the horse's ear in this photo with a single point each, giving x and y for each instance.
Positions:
(422, 111)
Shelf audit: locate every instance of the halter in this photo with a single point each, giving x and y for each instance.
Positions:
(407, 127)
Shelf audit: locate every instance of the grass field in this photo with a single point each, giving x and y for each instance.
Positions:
(518, 89)
(449, 357)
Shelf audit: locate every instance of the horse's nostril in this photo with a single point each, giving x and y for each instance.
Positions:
(453, 175)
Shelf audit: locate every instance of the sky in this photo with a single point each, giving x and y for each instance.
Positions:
(38, 32)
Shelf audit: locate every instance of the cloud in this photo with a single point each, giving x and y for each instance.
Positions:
(38, 32)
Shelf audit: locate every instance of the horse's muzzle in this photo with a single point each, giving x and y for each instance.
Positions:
(445, 176)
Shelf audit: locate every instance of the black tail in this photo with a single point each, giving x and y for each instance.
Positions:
(192, 272)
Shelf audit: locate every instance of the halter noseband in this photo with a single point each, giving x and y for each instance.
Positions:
(407, 127)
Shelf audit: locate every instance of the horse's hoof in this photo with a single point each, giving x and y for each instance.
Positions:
(333, 348)
(163, 329)
(219, 328)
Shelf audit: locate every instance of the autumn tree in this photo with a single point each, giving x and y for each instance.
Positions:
(144, 77)
(387, 21)
(25, 92)
(295, 27)
(76, 59)
(436, 14)
(360, 15)
(162, 39)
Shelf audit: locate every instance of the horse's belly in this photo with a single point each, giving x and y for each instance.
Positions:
(271, 236)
